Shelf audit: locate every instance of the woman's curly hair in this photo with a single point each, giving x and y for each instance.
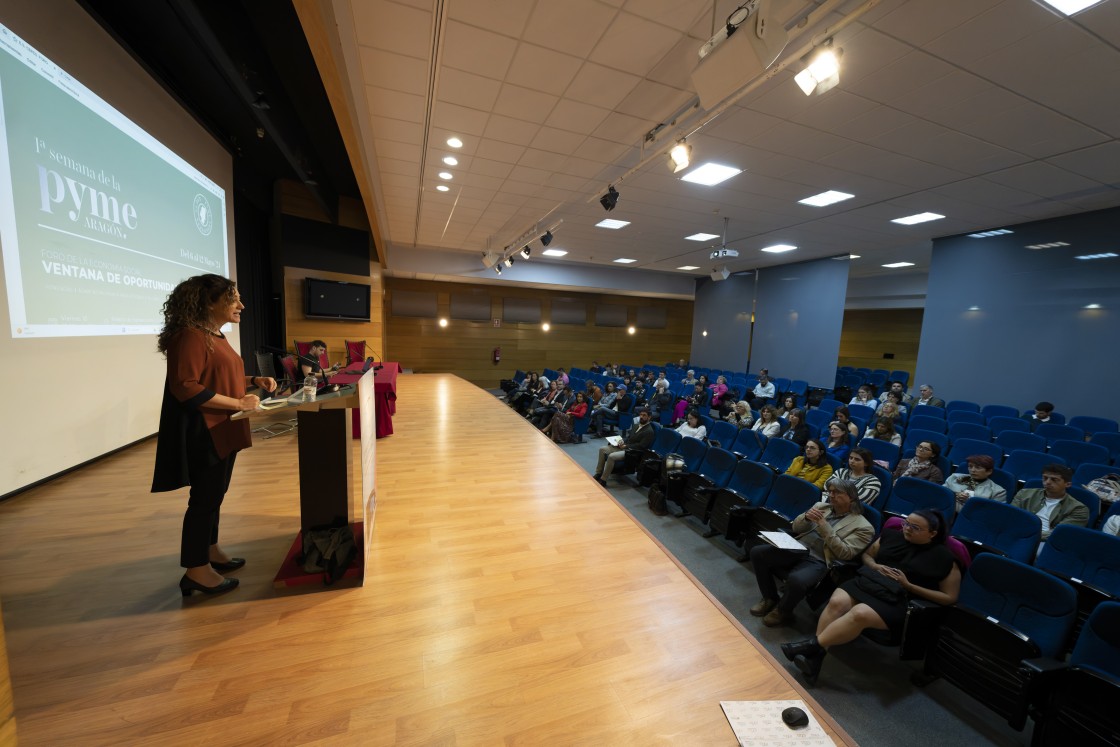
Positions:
(189, 305)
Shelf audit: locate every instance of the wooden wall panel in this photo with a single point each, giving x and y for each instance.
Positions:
(330, 331)
(869, 333)
(465, 348)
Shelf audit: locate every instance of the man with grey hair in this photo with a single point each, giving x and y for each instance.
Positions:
(925, 397)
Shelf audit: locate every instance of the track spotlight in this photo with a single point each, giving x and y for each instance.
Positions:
(547, 238)
(509, 261)
(610, 199)
(680, 156)
(498, 268)
(526, 251)
(822, 71)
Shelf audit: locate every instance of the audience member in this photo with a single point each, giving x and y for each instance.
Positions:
(839, 441)
(698, 400)
(900, 565)
(893, 398)
(897, 388)
(542, 416)
(844, 418)
(858, 472)
(692, 427)
(562, 425)
(923, 464)
(563, 376)
(864, 397)
(834, 529)
(718, 389)
(602, 416)
(797, 430)
(660, 400)
(1051, 502)
(767, 424)
(1112, 526)
(763, 390)
(789, 403)
(689, 378)
(1041, 414)
(889, 410)
(812, 466)
(661, 381)
(740, 415)
(925, 397)
(639, 438)
(977, 483)
(883, 430)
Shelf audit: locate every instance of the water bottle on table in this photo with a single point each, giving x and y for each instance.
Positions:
(310, 384)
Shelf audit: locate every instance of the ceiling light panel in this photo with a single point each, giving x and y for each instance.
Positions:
(831, 197)
(1069, 7)
(554, 252)
(910, 220)
(1102, 255)
(702, 236)
(710, 174)
(612, 223)
(779, 248)
(625, 261)
(689, 267)
(895, 265)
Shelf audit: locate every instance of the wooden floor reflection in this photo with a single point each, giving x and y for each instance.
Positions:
(508, 599)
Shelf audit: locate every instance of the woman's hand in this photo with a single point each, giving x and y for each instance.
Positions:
(895, 574)
(266, 383)
(250, 401)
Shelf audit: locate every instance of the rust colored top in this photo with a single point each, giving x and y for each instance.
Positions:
(195, 375)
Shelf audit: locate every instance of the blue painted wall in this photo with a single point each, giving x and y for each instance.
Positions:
(1030, 338)
(798, 318)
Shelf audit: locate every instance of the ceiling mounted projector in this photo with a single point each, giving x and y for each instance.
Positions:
(723, 253)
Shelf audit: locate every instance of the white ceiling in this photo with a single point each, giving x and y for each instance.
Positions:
(990, 112)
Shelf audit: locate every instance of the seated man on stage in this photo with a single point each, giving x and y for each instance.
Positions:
(309, 364)
(639, 438)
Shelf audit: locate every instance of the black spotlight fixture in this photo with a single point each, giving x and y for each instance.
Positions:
(610, 199)
(547, 238)
(498, 268)
(526, 251)
(509, 261)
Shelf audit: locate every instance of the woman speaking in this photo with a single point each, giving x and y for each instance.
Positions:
(198, 441)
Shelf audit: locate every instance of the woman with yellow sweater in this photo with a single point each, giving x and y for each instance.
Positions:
(813, 466)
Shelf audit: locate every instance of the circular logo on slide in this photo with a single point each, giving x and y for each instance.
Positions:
(203, 215)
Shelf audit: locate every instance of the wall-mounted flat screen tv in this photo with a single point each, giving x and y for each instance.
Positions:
(333, 299)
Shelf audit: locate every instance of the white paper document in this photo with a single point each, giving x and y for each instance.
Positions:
(783, 540)
(758, 723)
(614, 440)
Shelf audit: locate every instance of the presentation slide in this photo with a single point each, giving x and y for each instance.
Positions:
(98, 220)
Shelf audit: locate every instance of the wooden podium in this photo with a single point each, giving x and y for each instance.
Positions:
(326, 466)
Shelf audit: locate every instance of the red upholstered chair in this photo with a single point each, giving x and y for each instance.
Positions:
(292, 377)
(355, 351)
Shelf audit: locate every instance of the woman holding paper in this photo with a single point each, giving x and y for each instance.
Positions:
(198, 442)
(833, 530)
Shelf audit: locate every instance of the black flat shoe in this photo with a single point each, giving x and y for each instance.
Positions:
(797, 648)
(232, 565)
(187, 585)
(810, 665)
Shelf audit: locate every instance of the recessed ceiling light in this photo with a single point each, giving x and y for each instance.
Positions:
(826, 198)
(1069, 7)
(973, 308)
(846, 256)
(1091, 306)
(455, 142)
(910, 220)
(779, 248)
(1102, 255)
(893, 265)
(704, 333)
(625, 261)
(710, 174)
(445, 175)
(546, 326)
(702, 236)
(554, 252)
(1051, 245)
(987, 234)
(853, 256)
(451, 160)
(443, 188)
(612, 223)
(689, 267)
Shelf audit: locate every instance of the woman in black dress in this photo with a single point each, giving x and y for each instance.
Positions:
(913, 562)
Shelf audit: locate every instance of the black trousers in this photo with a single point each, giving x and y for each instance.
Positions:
(801, 571)
(200, 523)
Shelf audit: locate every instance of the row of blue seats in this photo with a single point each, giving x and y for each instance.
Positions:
(1013, 607)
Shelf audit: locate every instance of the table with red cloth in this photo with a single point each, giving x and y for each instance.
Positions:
(384, 394)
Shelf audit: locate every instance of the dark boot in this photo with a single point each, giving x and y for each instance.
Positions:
(810, 664)
(797, 648)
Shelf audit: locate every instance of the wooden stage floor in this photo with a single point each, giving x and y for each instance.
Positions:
(508, 600)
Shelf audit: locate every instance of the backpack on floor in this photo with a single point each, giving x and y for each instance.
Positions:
(328, 550)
